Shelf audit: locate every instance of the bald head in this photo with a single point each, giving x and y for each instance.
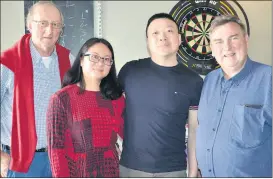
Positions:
(33, 9)
(45, 23)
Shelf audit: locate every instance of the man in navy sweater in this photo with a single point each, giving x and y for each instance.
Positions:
(161, 95)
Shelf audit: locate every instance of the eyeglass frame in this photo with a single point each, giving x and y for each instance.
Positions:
(99, 58)
(47, 24)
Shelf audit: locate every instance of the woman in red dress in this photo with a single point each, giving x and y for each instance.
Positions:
(85, 116)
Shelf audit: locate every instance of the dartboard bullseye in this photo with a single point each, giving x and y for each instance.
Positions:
(194, 19)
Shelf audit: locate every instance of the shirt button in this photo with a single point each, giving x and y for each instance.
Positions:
(213, 129)
(224, 92)
(219, 110)
(209, 170)
(208, 150)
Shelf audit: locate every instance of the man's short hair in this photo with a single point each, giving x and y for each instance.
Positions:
(160, 16)
(29, 17)
(224, 19)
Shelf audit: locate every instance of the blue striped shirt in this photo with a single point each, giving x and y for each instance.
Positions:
(46, 82)
(234, 135)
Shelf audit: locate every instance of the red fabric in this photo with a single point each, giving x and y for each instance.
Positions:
(82, 132)
(23, 136)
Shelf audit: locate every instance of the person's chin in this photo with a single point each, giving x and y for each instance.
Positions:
(98, 76)
(163, 52)
(48, 45)
(231, 64)
(49, 41)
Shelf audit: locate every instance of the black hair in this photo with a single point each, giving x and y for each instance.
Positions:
(109, 87)
(160, 16)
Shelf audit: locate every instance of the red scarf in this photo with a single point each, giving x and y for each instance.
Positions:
(23, 136)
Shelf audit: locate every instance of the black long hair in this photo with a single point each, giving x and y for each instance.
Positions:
(109, 87)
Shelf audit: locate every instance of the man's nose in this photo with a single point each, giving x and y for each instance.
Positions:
(227, 45)
(49, 28)
(163, 37)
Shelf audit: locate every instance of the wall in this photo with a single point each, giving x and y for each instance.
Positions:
(12, 22)
(124, 23)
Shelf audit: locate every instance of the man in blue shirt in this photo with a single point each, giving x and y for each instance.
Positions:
(234, 134)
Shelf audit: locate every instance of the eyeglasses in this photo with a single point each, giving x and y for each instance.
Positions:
(55, 25)
(96, 58)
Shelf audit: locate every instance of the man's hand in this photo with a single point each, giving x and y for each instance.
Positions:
(119, 145)
(192, 161)
(5, 158)
(118, 151)
(195, 176)
(199, 175)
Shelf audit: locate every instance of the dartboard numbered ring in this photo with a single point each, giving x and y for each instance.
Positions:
(194, 19)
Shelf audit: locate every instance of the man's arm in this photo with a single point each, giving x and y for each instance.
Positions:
(5, 158)
(268, 103)
(192, 162)
(5, 78)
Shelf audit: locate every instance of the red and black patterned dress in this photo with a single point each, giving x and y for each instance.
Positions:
(82, 132)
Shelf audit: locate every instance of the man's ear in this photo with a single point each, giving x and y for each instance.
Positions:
(29, 27)
(211, 50)
(147, 41)
(246, 39)
(61, 33)
(180, 41)
(147, 46)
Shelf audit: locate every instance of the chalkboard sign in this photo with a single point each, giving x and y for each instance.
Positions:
(78, 22)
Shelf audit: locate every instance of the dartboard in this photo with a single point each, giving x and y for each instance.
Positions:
(194, 19)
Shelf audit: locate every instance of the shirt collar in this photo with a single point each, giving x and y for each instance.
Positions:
(36, 55)
(242, 74)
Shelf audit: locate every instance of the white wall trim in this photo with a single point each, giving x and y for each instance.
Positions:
(98, 18)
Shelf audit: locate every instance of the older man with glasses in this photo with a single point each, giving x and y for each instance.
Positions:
(31, 71)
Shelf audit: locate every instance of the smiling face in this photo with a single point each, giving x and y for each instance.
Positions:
(96, 70)
(229, 46)
(163, 38)
(45, 38)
